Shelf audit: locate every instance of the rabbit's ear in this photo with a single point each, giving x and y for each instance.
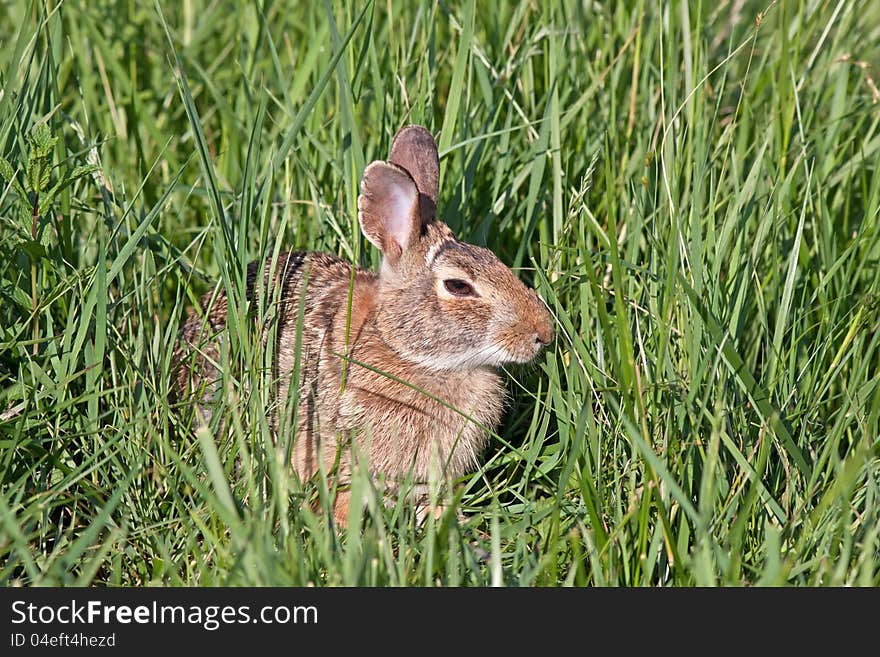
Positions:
(415, 150)
(388, 208)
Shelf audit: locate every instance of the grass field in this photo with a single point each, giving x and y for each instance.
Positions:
(694, 188)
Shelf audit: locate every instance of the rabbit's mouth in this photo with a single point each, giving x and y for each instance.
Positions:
(526, 351)
(522, 339)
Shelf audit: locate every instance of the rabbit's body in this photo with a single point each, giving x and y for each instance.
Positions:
(417, 347)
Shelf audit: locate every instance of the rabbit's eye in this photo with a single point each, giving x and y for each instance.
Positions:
(459, 288)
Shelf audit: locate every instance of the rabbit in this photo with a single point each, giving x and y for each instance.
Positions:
(439, 317)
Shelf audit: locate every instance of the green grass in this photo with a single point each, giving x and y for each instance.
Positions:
(693, 188)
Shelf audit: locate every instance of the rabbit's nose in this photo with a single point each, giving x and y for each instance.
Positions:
(544, 334)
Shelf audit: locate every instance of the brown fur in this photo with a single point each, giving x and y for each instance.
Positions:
(404, 324)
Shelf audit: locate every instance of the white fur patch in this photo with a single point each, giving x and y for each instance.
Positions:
(466, 359)
(432, 253)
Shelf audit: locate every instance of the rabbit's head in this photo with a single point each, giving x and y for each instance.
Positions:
(442, 303)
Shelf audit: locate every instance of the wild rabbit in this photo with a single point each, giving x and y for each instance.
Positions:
(438, 318)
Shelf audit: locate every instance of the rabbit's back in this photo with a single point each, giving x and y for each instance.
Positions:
(274, 294)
